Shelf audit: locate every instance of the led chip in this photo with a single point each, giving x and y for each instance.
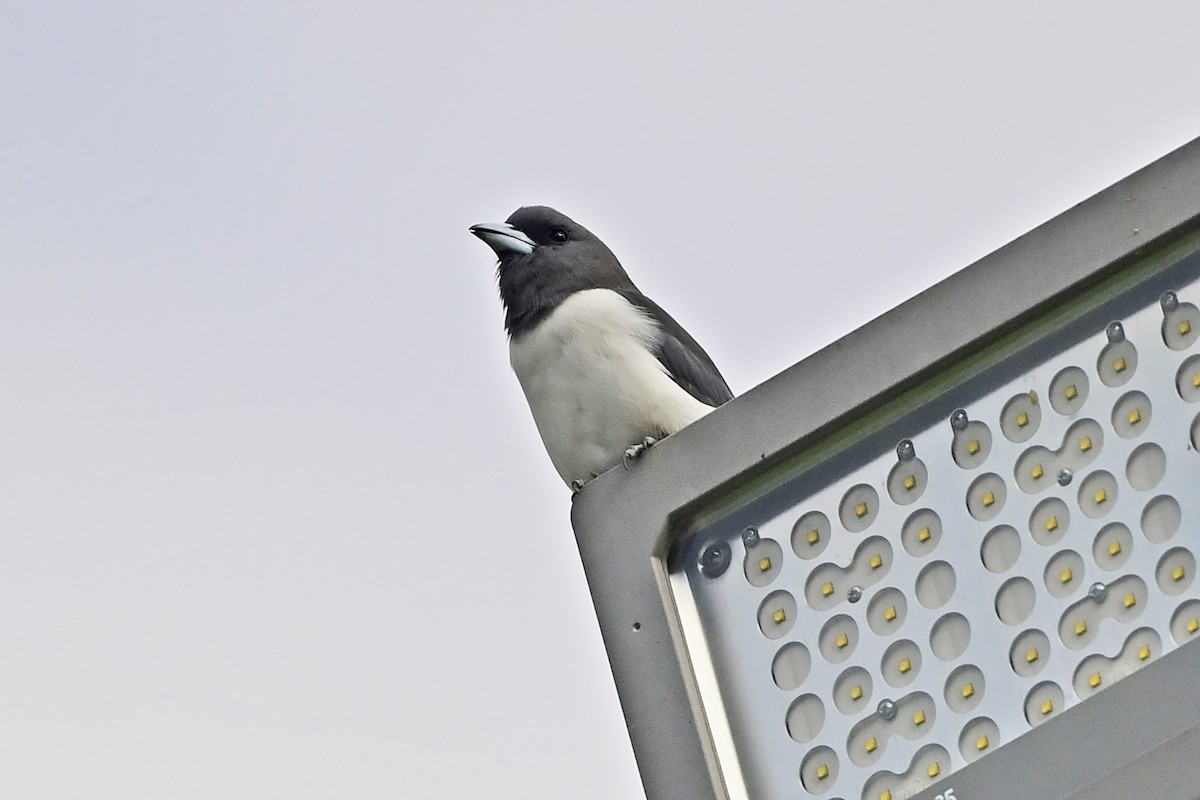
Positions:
(1143, 652)
(934, 770)
(870, 744)
(841, 641)
(910, 482)
(1071, 392)
(968, 690)
(1114, 549)
(1134, 417)
(924, 534)
(973, 447)
(813, 537)
(1080, 628)
(876, 561)
(1184, 328)
(981, 743)
(1051, 523)
(822, 772)
(889, 613)
(919, 717)
(1036, 471)
(1046, 707)
(856, 692)
(1196, 380)
(764, 564)
(1193, 625)
(1177, 573)
(904, 666)
(885, 795)
(1031, 655)
(826, 588)
(861, 510)
(1085, 444)
(779, 616)
(1100, 496)
(988, 498)
(1130, 601)
(1094, 680)
(1022, 419)
(1065, 576)
(1119, 365)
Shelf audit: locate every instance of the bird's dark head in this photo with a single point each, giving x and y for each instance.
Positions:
(545, 257)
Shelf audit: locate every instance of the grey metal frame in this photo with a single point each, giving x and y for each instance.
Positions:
(625, 521)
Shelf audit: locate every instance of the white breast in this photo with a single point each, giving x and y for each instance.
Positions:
(593, 384)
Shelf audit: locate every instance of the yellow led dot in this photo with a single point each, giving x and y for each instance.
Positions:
(1065, 576)
(973, 447)
(870, 744)
(981, 743)
(1144, 652)
(1071, 392)
(1046, 707)
(1119, 365)
(876, 561)
(1114, 549)
(1085, 443)
(1080, 628)
(1130, 600)
(822, 772)
(889, 613)
(826, 588)
(856, 692)
(1022, 419)
(860, 510)
(1033, 398)
(924, 534)
(779, 616)
(1031, 655)
(1184, 328)
(1094, 680)
(1100, 496)
(1051, 523)
(910, 482)
(764, 564)
(885, 795)
(1134, 417)
(968, 690)
(934, 770)
(842, 640)
(1037, 471)
(1196, 380)
(919, 718)
(813, 537)
(988, 498)
(1193, 625)
(1177, 573)
(904, 666)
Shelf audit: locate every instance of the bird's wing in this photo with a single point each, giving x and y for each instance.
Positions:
(684, 359)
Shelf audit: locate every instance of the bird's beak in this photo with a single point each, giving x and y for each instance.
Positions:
(503, 238)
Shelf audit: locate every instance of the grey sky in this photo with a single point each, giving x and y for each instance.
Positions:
(274, 519)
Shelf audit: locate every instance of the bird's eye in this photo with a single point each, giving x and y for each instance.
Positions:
(558, 235)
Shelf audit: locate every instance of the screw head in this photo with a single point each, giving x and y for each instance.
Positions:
(1115, 332)
(1064, 476)
(1098, 591)
(1169, 301)
(854, 594)
(714, 560)
(905, 450)
(886, 710)
(750, 537)
(959, 420)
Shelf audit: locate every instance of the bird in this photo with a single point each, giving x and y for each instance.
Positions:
(605, 370)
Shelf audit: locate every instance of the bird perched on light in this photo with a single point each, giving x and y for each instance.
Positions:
(605, 370)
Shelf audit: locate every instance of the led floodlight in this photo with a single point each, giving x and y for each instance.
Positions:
(948, 554)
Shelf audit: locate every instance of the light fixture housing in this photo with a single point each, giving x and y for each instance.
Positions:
(959, 543)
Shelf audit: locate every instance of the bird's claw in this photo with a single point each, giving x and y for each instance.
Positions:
(636, 450)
